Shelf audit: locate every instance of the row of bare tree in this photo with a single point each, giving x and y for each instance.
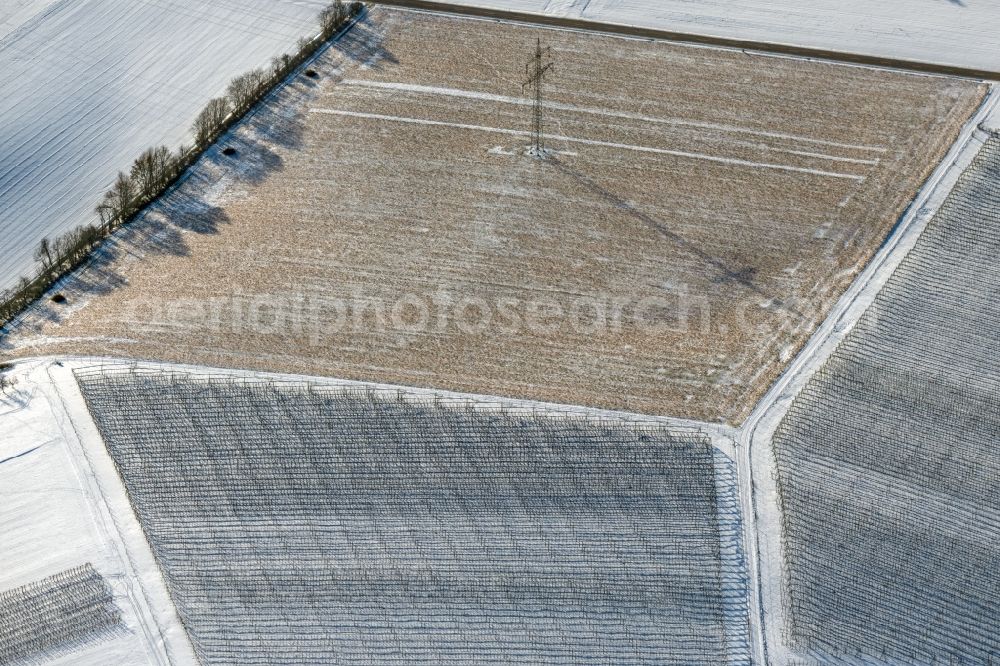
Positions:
(54, 257)
(151, 174)
(157, 168)
(247, 89)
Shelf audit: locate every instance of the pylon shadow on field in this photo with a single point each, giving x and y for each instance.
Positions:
(725, 274)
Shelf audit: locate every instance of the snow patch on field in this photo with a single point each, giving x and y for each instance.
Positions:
(590, 142)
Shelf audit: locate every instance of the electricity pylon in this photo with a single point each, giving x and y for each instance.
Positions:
(535, 72)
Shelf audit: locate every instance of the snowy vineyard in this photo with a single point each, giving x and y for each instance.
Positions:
(295, 522)
(889, 462)
(55, 614)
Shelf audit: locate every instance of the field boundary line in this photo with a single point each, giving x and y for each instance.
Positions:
(720, 433)
(778, 48)
(758, 490)
(713, 430)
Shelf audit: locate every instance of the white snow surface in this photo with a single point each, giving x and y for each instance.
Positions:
(15, 13)
(62, 505)
(950, 32)
(89, 84)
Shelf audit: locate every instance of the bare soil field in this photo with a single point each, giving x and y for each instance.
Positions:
(700, 212)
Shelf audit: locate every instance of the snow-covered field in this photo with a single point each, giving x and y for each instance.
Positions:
(62, 506)
(86, 86)
(886, 462)
(429, 525)
(757, 433)
(15, 13)
(948, 32)
(62, 503)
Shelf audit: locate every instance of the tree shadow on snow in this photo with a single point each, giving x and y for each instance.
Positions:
(158, 230)
(364, 44)
(254, 145)
(18, 398)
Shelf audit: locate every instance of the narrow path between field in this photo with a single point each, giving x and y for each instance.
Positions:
(761, 517)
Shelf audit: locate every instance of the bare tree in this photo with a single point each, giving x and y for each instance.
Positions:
(150, 170)
(45, 256)
(73, 246)
(180, 159)
(24, 287)
(7, 304)
(64, 245)
(331, 18)
(238, 92)
(210, 120)
(18, 297)
(106, 212)
(119, 202)
(281, 65)
(123, 197)
(246, 88)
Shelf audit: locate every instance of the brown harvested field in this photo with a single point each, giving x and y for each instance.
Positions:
(701, 213)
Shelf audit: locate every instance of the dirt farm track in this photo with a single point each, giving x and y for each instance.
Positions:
(699, 214)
